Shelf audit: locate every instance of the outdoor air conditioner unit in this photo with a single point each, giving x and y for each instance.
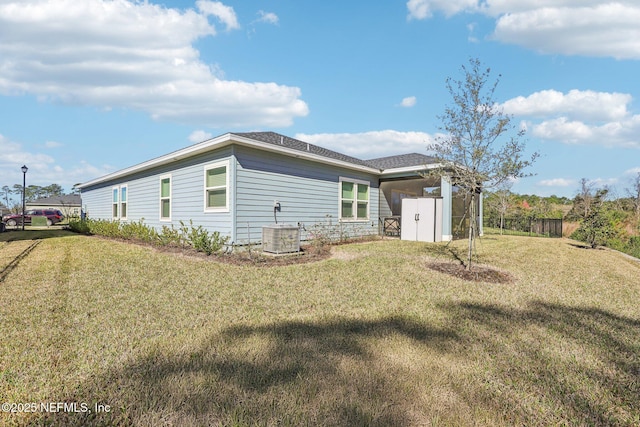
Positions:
(280, 238)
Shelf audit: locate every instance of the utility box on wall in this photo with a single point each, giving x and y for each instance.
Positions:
(421, 219)
(39, 221)
(280, 238)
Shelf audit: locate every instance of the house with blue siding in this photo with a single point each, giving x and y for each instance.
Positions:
(237, 183)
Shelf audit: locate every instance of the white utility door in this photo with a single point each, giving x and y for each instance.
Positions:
(421, 219)
(409, 219)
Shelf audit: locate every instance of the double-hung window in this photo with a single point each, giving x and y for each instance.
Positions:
(354, 200)
(115, 203)
(165, 198)
(119, 202)
(123, 202)
(216, 187)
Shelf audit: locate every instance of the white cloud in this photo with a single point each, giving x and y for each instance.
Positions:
(633, 171)
(81, 171)
(607, 29)
(499, 7)
(408, 102)
(585, 105)
(604, 182)
(471, 37)
(571, 132)
(136, 55)
(13, 157)
(52, 144)
(622, 133)
(369, 145)
(268, 17)
(199, 136)
(570, 27)
(557, 182)
(422, 9)
(578, 117)
(225, 14)
(43, 169)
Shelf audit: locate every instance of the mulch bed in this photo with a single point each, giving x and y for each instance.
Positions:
(312, 253)
(307, 254)
(257, 257)
(478, 273)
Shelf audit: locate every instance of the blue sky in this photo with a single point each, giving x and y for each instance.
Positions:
(89, 87)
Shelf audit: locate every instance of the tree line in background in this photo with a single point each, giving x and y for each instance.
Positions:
(595, 215)
(11, 197)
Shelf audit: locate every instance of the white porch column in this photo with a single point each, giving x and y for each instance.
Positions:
(480, 214)
(446, 192)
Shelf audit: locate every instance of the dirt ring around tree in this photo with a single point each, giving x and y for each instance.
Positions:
(478, 273)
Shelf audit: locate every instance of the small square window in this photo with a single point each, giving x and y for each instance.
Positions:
(354, 200)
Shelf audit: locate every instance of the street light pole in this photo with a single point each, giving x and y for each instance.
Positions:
(24, 183)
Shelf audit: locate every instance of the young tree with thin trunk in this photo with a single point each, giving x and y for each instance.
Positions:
(5, 194)
(480, 148)
(586, 196)
(634, 194)
(503, 201)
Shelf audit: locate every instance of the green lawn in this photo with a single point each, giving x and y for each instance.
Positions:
(367, 337)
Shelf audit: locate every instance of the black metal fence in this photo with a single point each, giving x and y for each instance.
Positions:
(544, 227)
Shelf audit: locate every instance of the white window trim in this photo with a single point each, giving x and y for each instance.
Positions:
(115, 203)
(355, 208)
(170, 197)
(226, 164)
(119, 201)
(126, 187)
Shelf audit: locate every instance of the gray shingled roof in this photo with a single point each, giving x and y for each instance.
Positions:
(67, 199)
(295, 144)
(275, 139)
(401, 161)
(390, 162)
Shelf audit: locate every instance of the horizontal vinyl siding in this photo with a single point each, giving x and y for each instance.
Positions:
(97, 202)
(187, 195)
(308, 193)
(187, 198)
(141, 200)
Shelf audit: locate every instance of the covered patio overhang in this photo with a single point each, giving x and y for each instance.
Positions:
(415, 183)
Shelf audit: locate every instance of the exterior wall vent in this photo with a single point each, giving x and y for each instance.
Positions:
(280, 238)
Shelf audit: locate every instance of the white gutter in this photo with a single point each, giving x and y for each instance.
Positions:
(411, 169)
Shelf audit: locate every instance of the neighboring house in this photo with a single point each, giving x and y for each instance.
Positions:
(70, 204)
(238, 182)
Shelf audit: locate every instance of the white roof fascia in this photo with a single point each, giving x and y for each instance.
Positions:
(411, 169)
(219, 142)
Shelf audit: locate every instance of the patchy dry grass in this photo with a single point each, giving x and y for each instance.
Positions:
(33, 233)
(369, 336)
